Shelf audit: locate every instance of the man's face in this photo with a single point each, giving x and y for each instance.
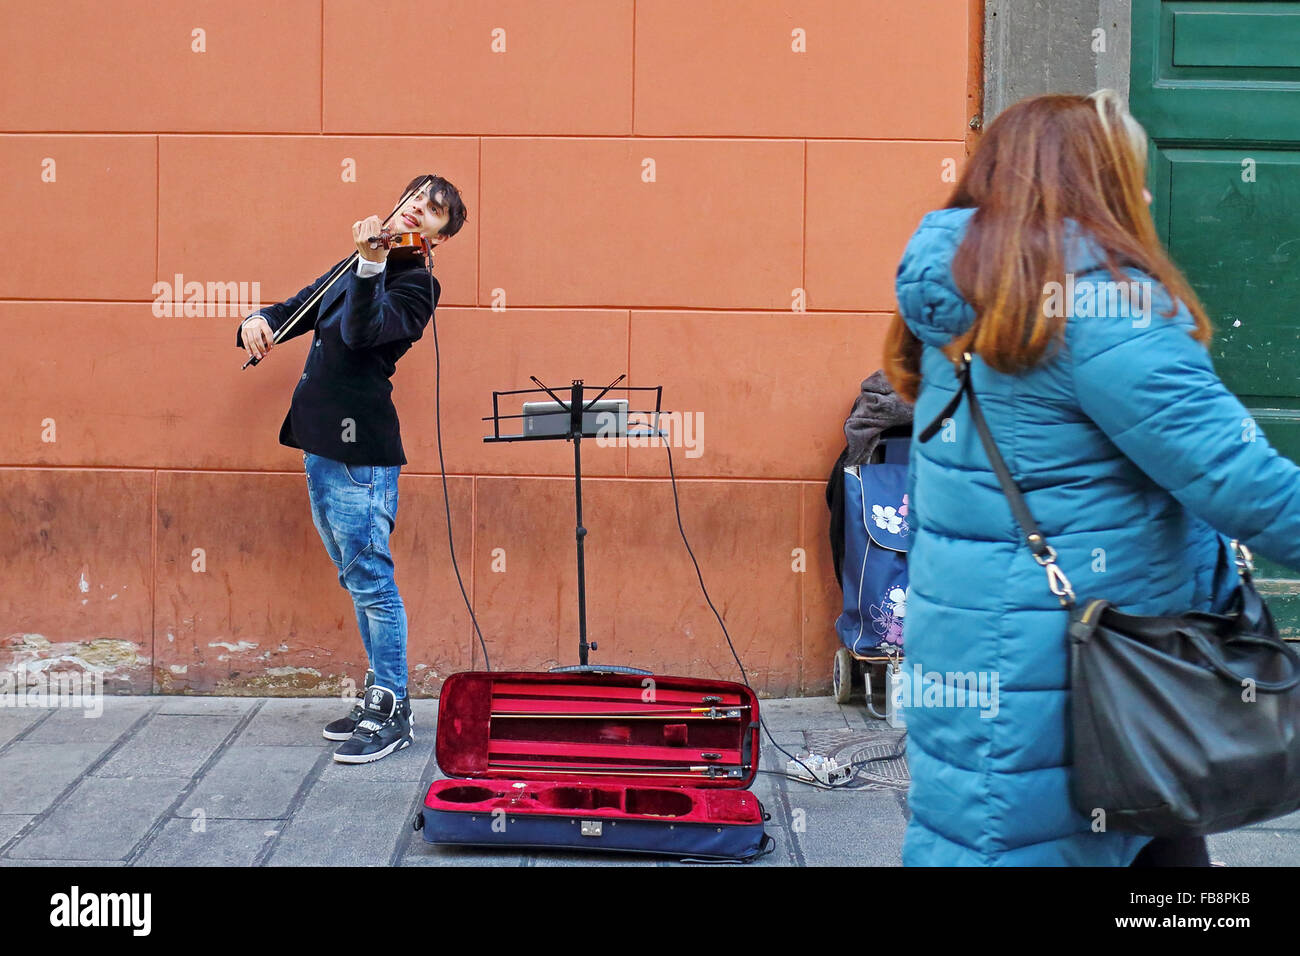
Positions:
(422, 215)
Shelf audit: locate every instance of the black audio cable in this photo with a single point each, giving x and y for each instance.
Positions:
(745, 677)
(442, 465)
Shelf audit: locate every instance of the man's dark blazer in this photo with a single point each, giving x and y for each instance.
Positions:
(342, 407)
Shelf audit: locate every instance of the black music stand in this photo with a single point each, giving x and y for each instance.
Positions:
(576, 408)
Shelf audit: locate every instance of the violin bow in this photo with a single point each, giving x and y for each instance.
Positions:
(680, 713)
(710, 771)
(340, 271)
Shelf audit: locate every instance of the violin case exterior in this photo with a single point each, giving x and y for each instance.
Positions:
(597, 761)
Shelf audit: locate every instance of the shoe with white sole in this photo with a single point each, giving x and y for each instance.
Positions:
(384, 728)
(342, 728)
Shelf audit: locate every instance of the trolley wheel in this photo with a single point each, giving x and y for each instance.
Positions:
(842, 676)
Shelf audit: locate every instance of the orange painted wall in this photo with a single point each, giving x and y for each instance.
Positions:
(128, 157)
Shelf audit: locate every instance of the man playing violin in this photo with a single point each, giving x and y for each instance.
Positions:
(343, 419)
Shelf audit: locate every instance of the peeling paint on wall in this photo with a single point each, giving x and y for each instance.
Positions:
(99, 655)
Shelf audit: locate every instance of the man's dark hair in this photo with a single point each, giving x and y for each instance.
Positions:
(452, 204)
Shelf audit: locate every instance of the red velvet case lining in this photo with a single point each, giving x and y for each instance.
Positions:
(577, 759)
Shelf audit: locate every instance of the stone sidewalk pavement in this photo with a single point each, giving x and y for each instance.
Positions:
(198, 781)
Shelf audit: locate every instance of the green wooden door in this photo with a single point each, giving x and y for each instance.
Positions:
(1217, 86)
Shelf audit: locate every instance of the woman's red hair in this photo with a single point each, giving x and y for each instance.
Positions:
(1042, 161)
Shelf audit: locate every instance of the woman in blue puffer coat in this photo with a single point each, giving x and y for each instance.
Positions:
(1137, 462)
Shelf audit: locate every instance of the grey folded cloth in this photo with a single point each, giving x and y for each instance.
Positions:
(877, 408)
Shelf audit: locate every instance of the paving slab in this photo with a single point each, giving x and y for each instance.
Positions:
(1255, 847)
(783, 853)
(1289, 822)
(428, 855)
(79, 864)
(802, 713)
(11, 823)
(214, 843)
(32, 775)
(102, 819)
(251, 783)
(544, 859)
(424, 711)
(765, 784)
(168, 746)
(69, 725)
(791, 740)
(844, 828)
(347, 823)
(859, 717)
(14, 720)
(292, 722)
(197, 706)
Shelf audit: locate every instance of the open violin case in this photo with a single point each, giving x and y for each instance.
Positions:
(597, 761)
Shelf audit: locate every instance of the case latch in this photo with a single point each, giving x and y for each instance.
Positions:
(592, 828)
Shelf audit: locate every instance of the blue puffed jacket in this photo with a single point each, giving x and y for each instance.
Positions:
(1139, 466)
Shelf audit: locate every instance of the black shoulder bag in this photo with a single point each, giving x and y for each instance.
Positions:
(1181, 725)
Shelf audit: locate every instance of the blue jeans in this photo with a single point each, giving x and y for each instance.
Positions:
(354, 507)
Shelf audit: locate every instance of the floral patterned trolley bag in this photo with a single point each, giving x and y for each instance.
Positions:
(876, 540)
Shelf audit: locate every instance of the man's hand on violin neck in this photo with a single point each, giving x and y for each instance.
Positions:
(362, 231)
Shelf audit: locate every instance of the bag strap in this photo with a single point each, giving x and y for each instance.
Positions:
(1223, 669)
(1043, 552)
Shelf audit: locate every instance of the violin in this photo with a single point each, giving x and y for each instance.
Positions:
(389, 240)
(402, 240)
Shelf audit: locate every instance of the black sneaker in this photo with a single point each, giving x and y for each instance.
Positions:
(385, 727)
(342, 728)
